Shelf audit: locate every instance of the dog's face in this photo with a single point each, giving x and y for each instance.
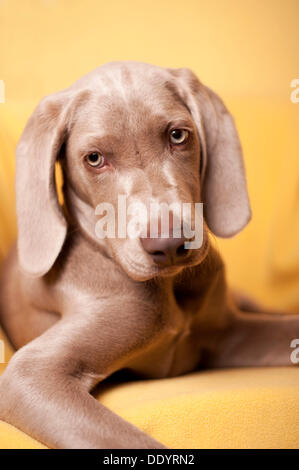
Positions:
(139, 141)
(146, 134)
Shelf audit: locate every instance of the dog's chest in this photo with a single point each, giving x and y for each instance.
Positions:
(174, 352)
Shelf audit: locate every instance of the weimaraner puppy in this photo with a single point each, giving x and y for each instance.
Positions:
(79, 307)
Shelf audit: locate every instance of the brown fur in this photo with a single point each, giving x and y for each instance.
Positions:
(77, 308)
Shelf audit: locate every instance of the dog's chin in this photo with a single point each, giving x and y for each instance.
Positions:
(147, 271)
(151, 272)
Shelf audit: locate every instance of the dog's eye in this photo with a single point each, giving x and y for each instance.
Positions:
(95, 160)
(179, 136)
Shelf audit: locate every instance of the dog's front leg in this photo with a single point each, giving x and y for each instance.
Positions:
(255, 339)
(45, 389)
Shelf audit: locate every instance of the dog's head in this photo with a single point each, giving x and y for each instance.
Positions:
(134, 134)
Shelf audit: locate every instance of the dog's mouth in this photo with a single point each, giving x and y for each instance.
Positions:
(145, 272)
(143, 267)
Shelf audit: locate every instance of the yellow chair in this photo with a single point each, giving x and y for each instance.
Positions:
(237, 408)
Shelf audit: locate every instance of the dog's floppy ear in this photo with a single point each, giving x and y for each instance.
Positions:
(223, 181)
(41, 225)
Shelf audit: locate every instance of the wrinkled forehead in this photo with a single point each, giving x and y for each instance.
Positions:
(128, 101)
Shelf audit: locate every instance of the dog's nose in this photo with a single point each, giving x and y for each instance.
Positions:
(165, 251)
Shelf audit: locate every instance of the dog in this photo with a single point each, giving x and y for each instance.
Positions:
(77, 307)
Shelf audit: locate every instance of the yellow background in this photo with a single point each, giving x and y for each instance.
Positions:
(247, 51)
